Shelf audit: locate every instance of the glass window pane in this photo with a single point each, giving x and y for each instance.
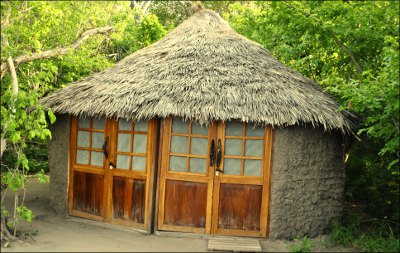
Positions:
(252, 167)
(234, 128)
(99, 123)
(254, 131)
(123, 162)
(140, 126)
(139, 143)
(254, 148)
(83, 139)
(179, 144)
(97, 140)
(232, 166)
(199, 146)
(197, 165)
(96, 158)
(177, 163)
(199, 129)
(180, 126)
(139, 163)
(233, 147)
(124, 125)
(83, 122)
(124, 142)
(82, 156)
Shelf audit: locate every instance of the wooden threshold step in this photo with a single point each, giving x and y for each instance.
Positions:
(235, 245)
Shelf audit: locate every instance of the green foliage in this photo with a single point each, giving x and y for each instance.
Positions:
(13, 179)
(302, 245)
(25, 213)
(379, 237)
(370, 184)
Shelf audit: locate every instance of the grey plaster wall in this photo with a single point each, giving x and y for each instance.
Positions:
(307, 189)
(59, 163)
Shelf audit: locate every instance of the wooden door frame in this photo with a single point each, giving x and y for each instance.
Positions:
(110, 130)
(165, 174)
(80, 168)
(165, 130)
(264, 182)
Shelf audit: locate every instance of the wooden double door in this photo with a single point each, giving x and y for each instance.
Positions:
(110, 170)
(214, 179)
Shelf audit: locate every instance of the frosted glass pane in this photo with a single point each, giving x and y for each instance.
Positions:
(124, 142)
(198, 146)
(82, 156)
(177, 163)
(123, 162)
(84, 123)
(124, 125)
(197, 165)
(233, 147)
(234, 129)
(252, 167)
(257, 131)
(139, 163)
(99, 123)
(97, 140)
(96, 158)
(232, 166)
(180, 126)
(139, 143)
(198, 129)
(254, 148)
(140, 125)
(83, 139)
(179, 144)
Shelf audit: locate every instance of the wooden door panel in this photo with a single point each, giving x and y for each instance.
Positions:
(132, 151)
(89, 193)
(186, 204)
(240, 197)
(185, 177)
(129, 199)
(138, 201)
(240, 207)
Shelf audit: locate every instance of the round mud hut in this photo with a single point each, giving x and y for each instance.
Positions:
(203, 132)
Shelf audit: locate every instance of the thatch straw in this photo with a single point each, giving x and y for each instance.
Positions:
(205, 71)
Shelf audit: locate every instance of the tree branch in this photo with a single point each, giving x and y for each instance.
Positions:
(57, 51)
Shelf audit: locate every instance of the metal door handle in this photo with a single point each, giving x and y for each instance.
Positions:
(104, 147)
(212, 153)
(218, 163)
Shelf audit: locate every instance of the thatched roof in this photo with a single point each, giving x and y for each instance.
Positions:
(202, 70)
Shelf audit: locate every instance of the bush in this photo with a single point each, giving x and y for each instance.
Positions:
(378, 237)
(302, 245)
(36, 153)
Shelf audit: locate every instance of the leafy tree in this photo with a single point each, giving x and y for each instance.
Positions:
(45, 46)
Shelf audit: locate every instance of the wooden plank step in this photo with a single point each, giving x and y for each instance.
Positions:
(234, 244)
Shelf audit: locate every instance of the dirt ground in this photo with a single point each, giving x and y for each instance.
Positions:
(57, 233)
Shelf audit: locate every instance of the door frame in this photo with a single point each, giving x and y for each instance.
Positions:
(111, 131)
(164, 175)
(212, 205)
(264, 181)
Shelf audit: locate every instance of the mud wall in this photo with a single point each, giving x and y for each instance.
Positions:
(307, 189)
(59, 163)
